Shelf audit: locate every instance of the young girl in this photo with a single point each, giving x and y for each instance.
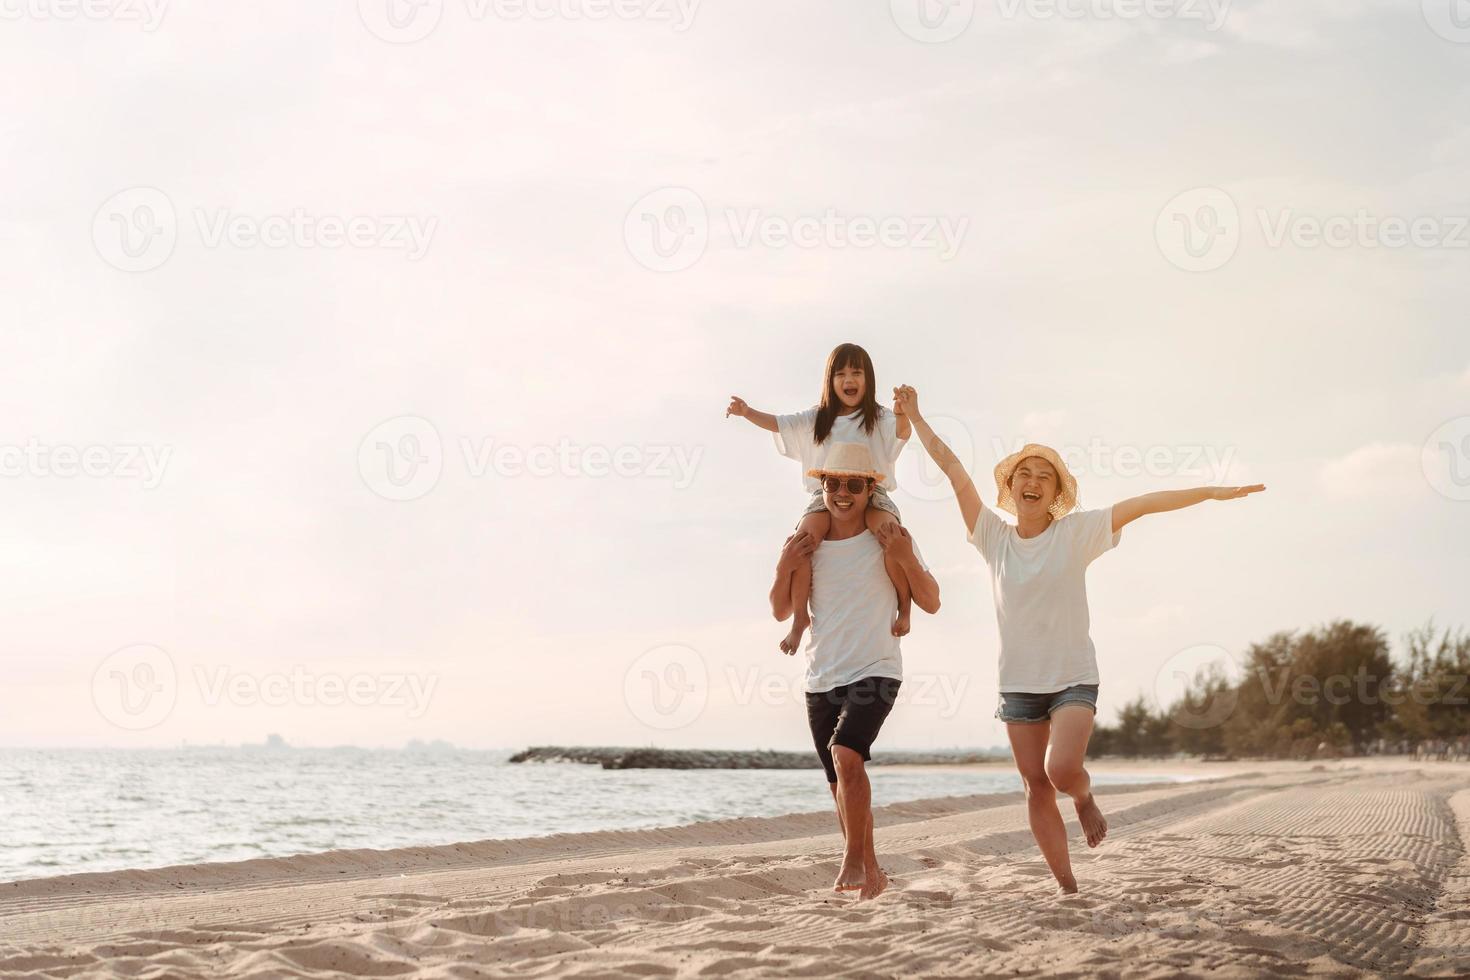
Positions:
(848, 412)
(1048, 664)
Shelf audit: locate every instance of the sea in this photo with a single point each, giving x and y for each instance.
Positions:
(65, 811)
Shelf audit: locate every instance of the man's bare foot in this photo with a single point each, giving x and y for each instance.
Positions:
(1067, 886)
(901, 624)
(875, 885)
(792, 643)
(1094, 824)
(850, 878)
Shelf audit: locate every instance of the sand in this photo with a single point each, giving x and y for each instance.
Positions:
(1347, 869)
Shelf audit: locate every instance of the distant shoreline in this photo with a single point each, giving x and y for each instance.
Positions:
(613, 757)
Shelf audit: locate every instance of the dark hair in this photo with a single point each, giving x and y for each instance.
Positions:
(846, 356)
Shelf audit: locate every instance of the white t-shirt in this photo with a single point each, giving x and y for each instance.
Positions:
(853, 605)
(1040, 587)
(796, 438)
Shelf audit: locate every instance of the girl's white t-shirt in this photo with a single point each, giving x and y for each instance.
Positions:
(796, 438)
(1040, 587)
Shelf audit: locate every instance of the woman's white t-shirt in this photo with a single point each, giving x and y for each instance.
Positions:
(1040, 587)
(796, 438)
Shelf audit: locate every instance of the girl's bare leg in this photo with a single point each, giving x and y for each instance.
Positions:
(817, 525)
(1071, 727)
(876, 518)
(1028, 745)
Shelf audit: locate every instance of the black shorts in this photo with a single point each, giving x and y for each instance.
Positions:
(850, 716)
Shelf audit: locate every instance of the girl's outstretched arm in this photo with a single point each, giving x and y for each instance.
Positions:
(907, 399)
(738, 407)
(1127, 511)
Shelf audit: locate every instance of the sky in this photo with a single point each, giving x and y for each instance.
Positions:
(364, 367)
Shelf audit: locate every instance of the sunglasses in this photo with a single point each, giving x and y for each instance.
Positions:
(855, 484)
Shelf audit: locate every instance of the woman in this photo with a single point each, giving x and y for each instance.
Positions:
(1048, 666)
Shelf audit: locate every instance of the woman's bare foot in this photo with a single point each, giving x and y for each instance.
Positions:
(875, 885)
(1094, 824)
(792, 642)
(901, 624)
(850, 878)
(1067, 886)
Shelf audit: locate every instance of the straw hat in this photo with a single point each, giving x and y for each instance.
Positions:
(847, 459)
(1066, 493)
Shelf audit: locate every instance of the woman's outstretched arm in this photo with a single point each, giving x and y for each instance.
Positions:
(738, 407)
(1127, 511)
(965, 493)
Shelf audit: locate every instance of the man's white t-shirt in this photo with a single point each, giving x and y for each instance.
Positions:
(853, 605)
(796, 438)
(1040, 587)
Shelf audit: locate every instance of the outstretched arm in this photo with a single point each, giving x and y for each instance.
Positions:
(764, 420)
(798, 548)
(907, 399)
(1127, 511)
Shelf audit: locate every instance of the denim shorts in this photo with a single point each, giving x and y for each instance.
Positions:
(879, 499)
(1019, 708)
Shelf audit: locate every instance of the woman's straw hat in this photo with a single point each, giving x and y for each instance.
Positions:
(847, 459)
(1066, 492)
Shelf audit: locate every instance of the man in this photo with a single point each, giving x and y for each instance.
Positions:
(853, 663)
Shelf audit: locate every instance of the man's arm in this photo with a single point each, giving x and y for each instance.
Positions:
(798, 548)
(898, 544)
(1126, 512)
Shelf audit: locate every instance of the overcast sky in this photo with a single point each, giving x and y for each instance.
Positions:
(363, 368)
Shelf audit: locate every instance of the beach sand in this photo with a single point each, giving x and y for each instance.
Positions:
(1342, 869)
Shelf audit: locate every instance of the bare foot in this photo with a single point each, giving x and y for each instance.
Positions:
(901, 624)
(850, 878)
(874, 886)
(792, 643)
(1068, 886)
(1094, 824)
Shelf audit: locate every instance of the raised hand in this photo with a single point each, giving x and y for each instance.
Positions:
(1235, 493)
(737, 407)
(906, 401)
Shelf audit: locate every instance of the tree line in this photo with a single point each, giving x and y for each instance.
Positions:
(1332, 691)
